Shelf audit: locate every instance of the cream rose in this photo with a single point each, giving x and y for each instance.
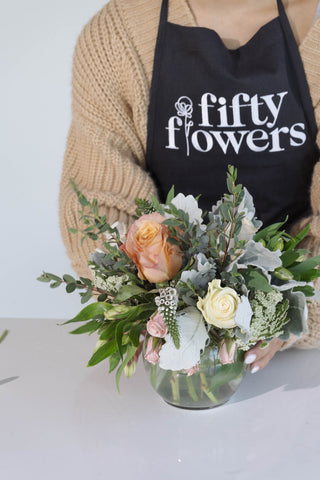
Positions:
(219, 306)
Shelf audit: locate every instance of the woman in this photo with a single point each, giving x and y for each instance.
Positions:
(171, 92)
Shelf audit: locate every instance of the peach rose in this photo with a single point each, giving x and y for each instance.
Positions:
(151, 355)
(156, 326)
(157, 259)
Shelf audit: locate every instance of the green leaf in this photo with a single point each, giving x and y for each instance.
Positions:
(69, 279)
(134, 334)
(131, 351)
(308, 276)
(256, 281)
(157, 205)
(73, 230)
(103, 297)
(308, 290)
(55, 284)
(283, 273)
(54, 277)
(89, 327)
(170, 195)
(276, 242)
(86, 281)
(291, 256)
(174, 241)
(297, 239)
(109, 331)
(120, 328)
(70, 287)
(226, 373)
(129, 291)
(85, 297)
(171, 222)
(308, 264)
(226, 211)
(102, 353)
(3, 336)
(44, 278)
(88, 312)
(93, 236)
(269, 231)
(114, 360)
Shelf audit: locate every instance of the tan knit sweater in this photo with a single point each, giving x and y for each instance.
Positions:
(106, 145)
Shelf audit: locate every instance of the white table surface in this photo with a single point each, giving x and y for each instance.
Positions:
(60, 420)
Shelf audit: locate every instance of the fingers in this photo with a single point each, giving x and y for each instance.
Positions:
(258, 357)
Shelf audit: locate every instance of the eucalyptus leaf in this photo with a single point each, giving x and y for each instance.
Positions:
(70, 287)
(69, 279)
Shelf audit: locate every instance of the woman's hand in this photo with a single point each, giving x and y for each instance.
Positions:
(258, 357)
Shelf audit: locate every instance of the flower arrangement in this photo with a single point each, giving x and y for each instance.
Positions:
(173, 284)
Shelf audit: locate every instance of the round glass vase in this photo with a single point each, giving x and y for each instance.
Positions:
(213, 384)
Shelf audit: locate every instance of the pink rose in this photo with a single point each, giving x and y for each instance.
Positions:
(157, 259)
(224, 356)
(156, 326)
(151, 355)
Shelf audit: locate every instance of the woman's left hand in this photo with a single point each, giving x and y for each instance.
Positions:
(258, 357)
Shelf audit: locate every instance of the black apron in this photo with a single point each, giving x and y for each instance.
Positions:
(249, 107)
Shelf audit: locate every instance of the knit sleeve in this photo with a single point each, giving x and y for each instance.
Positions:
(104, 153)
(311, 243)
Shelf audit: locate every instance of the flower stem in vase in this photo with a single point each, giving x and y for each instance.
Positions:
(175, 387)
(153, 376)
(205, 388)
(191, 389)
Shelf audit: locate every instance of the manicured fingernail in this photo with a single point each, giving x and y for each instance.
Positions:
(250, 358)
(255, 369)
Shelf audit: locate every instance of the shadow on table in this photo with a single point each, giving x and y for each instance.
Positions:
(7, 380)
(293, 369)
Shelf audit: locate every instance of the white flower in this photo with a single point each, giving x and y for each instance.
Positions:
(219, 305)
(111, 284)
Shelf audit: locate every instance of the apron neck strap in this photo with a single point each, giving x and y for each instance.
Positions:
(164, 12)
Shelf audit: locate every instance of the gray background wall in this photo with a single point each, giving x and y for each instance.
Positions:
(37, 40)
